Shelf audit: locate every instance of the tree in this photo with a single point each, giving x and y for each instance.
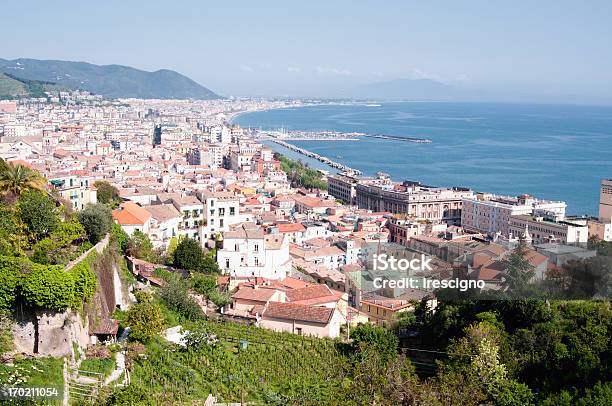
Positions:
(202, 283)
(16, 179)
(39, 214)
(175, 295)
(120, 237)
(139, 246)
(145, 321)
(97, 220)
(519, 271)
(189, 255)
(107, 193)
(377, 338)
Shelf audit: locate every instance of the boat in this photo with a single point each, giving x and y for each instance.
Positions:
(373, 105)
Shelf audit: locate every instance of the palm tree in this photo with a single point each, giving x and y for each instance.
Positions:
(15, 179)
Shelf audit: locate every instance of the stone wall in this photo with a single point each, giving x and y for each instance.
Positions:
(51, 333)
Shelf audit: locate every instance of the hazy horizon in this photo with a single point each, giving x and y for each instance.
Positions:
(545, 51)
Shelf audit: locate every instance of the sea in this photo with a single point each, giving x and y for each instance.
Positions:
(553, 152)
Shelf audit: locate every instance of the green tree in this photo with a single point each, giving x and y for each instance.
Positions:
(15, 179)
(189, 255)
(202, 283)
(377, 338)
(145, 321)
(55, 249)
(139, 246)
(97, 220)
(49, 287)
(12, 235)
(39, 214)
(518, 271)
(107, 193)
(176, 296)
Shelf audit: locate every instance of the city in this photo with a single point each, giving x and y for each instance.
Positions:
(341, 203)
(290, 257)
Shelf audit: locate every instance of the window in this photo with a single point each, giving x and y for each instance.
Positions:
(256, 248)
(221, 223)
(256, 261)
(232, 211)
(222, 211)
(298, 331)
(227, 263)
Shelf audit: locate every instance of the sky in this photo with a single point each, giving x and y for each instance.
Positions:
(276, 48)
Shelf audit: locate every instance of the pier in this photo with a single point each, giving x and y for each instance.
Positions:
(310, 154)
(396, 138)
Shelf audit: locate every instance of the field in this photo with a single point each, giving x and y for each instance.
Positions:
(268, 367)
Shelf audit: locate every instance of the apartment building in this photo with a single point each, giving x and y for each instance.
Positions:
(193, 219)
(77, 191)
(490, 214)
(343, 187)
(221, 210)
(250, 252)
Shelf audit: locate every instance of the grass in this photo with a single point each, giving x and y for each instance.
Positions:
(35, 372)
(102, 366)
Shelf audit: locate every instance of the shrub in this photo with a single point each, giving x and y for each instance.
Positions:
(97, 221)
(145, 321)
(175, 295)
(39, 214)
(49, 287)
(203, 284)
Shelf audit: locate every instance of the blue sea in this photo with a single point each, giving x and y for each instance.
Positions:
(555, 152)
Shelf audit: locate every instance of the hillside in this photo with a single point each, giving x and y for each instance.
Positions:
(113, 81)
(13, 87)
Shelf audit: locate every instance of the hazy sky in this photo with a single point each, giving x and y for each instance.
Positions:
(283, 47)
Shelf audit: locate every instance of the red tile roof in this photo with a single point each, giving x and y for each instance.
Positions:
(297, 312)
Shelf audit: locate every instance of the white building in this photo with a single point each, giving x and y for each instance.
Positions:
(221, 210)
(490, 214)
(165, 220)
(249, 252)
(547, 228)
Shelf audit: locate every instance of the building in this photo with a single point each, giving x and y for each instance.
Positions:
(381, 310)
(248, 252)
(193, 220)
(221, 210)
(165, 220)
(344, 187)
(302, 319)
(131, 217)
(490, 214)
(546, 228)
(605, 201)
(600, 229)
(78, 191)
(413, 199)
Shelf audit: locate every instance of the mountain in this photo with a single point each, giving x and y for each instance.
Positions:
(113, 81)
(410, 89)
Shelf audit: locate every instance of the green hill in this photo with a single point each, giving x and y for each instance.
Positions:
(14, 87)
(113, 81)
